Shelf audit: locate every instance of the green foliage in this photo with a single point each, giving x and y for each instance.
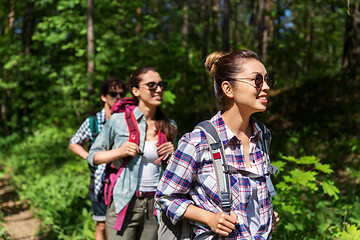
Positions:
(47, 174)
(350, 232)
(302, 185)
(313, 111)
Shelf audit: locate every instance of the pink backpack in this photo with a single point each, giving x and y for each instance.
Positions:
(126, 105)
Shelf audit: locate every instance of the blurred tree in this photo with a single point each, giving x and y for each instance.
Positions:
(351, 57)
(90, 52)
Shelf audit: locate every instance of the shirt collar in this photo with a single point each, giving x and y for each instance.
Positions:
(226, 134)
(137, 113)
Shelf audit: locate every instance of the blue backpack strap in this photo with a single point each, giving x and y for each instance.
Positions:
(220, 164)
(94, 127)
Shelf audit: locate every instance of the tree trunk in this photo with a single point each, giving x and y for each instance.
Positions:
(28, 26)
(138, 20)
(225, 26)
(214, 32)
(206, 19)
(91, 53)
(309, 16)
(267, 27)
(185, 26)
(351, 55)
(6, 93)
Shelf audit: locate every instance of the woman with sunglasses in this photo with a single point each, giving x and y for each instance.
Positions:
(140, 177)
(188, 188)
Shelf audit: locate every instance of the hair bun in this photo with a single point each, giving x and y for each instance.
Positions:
(211, 60)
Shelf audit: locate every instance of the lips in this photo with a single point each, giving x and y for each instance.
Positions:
(157, 98)
(262, 98)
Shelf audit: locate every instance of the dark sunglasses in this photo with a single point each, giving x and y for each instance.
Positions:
(259, 80)
(115, 94)
(153, 85)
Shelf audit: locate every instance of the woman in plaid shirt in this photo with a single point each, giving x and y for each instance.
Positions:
(188, 188)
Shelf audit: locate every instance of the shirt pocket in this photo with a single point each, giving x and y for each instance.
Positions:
(207, 177)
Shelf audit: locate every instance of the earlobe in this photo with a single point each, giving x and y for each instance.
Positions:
(103, 98)
(135, 91)
(227, 89)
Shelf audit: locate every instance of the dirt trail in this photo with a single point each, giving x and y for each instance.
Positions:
(17, 218)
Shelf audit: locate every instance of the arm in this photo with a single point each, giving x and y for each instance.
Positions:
(220, 223)
(78, 150)
(103, 150)
(82, 135)
(175, 185)
(127, 149)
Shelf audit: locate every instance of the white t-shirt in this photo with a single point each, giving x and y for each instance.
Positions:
(149, 173)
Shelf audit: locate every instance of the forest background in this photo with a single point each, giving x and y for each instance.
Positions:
(55, 54)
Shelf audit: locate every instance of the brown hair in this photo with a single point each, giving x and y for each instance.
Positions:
(112, 82)
(161, 121)
(224, 67)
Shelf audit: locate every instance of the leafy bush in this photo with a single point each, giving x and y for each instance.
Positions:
(54, 181)
(304, 198)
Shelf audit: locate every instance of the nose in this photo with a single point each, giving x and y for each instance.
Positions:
(157, 88)
(265, 86)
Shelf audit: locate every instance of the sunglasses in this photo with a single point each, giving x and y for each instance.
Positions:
(115, 94)
(153, 85)
(259, 80)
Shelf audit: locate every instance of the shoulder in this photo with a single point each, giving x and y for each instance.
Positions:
(101, 114)
(86, 123)
(195, 138)
(117, 118)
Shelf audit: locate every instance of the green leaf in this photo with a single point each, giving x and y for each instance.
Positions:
(330, 189)
(323, 167)
(279, 164)
(302, 178)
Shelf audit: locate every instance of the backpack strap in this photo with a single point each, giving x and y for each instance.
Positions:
(94, 128)
(134, 136)
(223, 170)
(269, 168)
(161, 140)
(220, 164)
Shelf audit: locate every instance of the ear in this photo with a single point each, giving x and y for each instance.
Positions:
(227, 89)
(135, 91)
(103, 98)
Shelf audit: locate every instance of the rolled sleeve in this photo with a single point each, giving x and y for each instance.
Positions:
(83, 134)
(173, 190)
(103, 142)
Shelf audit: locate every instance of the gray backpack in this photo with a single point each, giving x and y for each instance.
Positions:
(182, 230)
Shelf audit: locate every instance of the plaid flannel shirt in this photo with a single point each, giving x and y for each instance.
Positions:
(84, 135)
(190, 179)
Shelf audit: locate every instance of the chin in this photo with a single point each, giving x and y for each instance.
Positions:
(156, 104)
(263, 109)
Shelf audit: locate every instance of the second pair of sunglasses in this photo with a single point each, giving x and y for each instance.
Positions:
(153, 85)
(115, 94)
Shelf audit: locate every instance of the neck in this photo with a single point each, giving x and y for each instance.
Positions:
(107, 111)
(237, 121)
(149, 112)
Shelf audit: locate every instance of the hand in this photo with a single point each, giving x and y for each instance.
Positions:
(275, 221)
(165, 148)
(223, 223)
(129, 149)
